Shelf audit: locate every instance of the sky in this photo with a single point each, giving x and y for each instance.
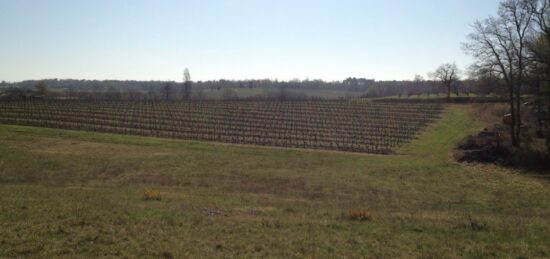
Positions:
(233, 39)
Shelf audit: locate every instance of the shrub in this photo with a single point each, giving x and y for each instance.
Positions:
(359, 215)
(152, 195)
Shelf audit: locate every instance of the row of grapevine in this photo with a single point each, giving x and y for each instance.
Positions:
(332, 125)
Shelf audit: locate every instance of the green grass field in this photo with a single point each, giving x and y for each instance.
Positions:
(80, 194)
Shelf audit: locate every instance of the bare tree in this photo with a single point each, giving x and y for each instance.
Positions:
(485, 81)
(187, 84)
(418, 78)
(539, 43)
(539, 48)
(447, 74)
(418, 83)
(499, 45)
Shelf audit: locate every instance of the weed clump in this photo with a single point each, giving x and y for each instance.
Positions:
(359, 215)
(152, 195)
(476, 225)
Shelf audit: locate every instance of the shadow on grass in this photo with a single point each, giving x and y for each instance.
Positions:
(527, 160)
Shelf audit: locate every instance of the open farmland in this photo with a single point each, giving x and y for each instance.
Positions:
(353, 126)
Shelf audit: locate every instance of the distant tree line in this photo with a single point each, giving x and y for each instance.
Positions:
(189, 90)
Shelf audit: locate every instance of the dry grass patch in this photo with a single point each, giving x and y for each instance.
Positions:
(152, 195)
(359, 215)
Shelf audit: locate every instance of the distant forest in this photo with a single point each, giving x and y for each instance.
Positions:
(232, 89)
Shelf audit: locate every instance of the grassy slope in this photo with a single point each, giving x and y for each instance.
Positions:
(66, 193)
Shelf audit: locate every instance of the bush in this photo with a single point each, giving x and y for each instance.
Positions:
(359, 215)
(152, 195)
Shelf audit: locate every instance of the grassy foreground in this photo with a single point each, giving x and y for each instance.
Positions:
(71, 194)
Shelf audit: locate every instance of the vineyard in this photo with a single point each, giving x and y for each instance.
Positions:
(352, 126)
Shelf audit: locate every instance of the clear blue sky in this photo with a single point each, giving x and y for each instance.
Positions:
(233, 39)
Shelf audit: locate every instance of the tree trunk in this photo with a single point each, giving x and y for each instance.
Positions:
(547, 121)
(539, 105)
(448, 91)
(518, 113)
(187, 90)
(513, 115)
